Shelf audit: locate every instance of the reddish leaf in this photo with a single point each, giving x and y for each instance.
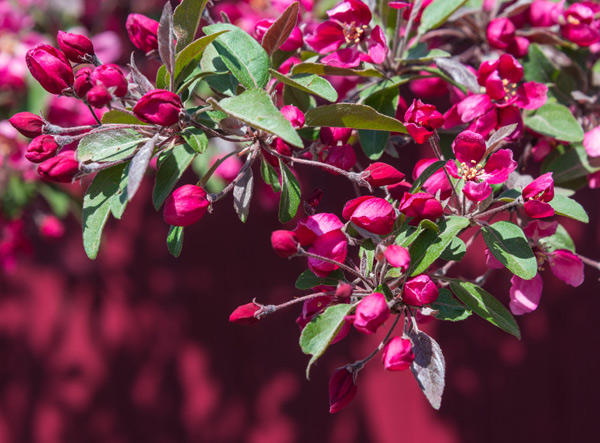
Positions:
(281, 29)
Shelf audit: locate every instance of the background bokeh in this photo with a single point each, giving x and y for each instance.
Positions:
(136, 346)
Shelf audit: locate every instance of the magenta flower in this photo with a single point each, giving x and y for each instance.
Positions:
(469, 149)
(398, 354)
(537, 195)
(28, 124)
(381, 174)
(340, 156)
(50, 68)
(373, 214)
(284, 243)
(111, 76)
(437, 182)
(294, 115)
(159, 107)
(420, 290)
(348, 25)
(245, 314)
(142, 32)
(501, 35)
(420, 206)
(77, 48)
(310, 228)
(334, 246)
(371, 313)
(333, 136)
(545, 13)
(421, 120)
(341, 389)
(503, 97)
(591, 142)
(580, 25)
(398, 257)
(185, 206)
(61, 168)
(41, 148)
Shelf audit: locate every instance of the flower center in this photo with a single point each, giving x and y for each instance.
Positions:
(510, 89)
(572, 20)
(470, 172)
(353, 33)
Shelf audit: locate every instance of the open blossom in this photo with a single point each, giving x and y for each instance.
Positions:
(537, 195)
(503, 98)
(479, 173)
(348, 24)
(579, 23)
(421, 120)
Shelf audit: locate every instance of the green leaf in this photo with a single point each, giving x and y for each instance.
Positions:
(430, 245)
(58, 200)
(572, 164)
(455, 251)
(367, 256)
(186, 20)
(118, 203)
(318, 334)
(421, 53)
(175, 240)
(226, 84)
(117, 116)
(195, 138)
(560, 240)
(428, 172)
(537, 67)
(110, 145)
(508, 244)
(437, 13)
(320, 69)
(243, 55)
(189, 58)
(290, 194)
(486, 306)
(373, 142)
(174, 164)
(308, 280)
(556, 121)
(256, 109)
(96, 206)
(351, 115)
(449, 308)
(162, 78)
(310, 83)
(269, 175)
(568, 207)
(298, 98)
(242, 194)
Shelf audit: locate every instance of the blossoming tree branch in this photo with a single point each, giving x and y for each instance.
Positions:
(516, 138)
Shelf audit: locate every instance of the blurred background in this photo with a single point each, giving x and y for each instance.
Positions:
(136, 346)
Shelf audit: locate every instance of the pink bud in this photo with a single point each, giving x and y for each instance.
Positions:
(398, 257)
(98, 96)
(294, 115)
(373, 214)
(370, 313)
(342, 157)
(50, 68)
(285, 243)
(332, 245)
(333, 136)
(244, 315)
(501, 33)
(41, 148)
(142, 32)
(398, 354)
(341, 389)
(83, 83)
(398, 190)
(159, 107)
(185, 206)
(314, 198)
(51, 227)
(110, 76)
(282, 147)
(77, 48)
(28, 124)
(343, 290)
(420, 290)
(310, 228)
(382, 174)
(61, 168)
(421, 206)
(545, 13)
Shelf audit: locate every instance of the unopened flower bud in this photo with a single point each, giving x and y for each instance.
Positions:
(294, 115)
(185, 206)
(83, 83)
(28, 124)
(285, 243)
(398, 257)
(421, 206)
(244, 315)
(142, 32)
(420, 290)
(373, 214)
(50, 68)
(159, 107)
(51, 227)
(77, 48)
(98, 96)
(370, 313)
(111, 77)
(343, 290)
(398, 354)
(61, 168)
(342, 157)
(501, 33)
(382, 174)
(333, 136)
(41, 148)
(341, 389)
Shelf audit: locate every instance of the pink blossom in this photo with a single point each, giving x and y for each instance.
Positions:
(420, 206)
(371, 313)
(537, 195)
(342, 389)
(437, 182)
(51, 227)
(185, 206)
(398, 354)
(50, 68)
(469, 149)
(342, 156)
(381, 174)
(159, 107)
(580, 25)
(332, 245)
(501, 35)
(420, 290)
(398, 257)
(294, 115)
(334, 136)
(421, 120)
(525, 294)
(545, 13)
(245, 315)
(284, 243)
(373, 214)
(309, 228)
(591, 142)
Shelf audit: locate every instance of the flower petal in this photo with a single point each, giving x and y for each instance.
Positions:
(525, 294)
